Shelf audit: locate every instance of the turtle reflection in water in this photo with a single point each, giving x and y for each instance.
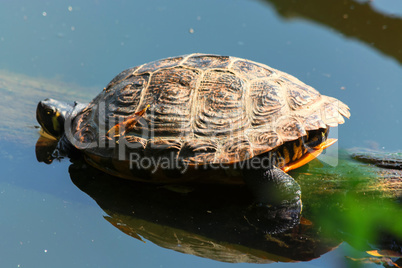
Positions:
(200, 112)
(204, 222)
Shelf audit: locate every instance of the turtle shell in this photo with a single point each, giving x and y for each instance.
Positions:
(203, 109)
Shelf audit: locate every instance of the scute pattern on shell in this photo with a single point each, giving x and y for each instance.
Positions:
(219, 108)
(169, 93)
(267, 102)
(207, 109)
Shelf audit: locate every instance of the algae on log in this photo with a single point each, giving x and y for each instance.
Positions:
(358, 171)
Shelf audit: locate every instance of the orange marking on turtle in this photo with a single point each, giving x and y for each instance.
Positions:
(127, 125)
(309, 155)
(305, 221)
(384, 253)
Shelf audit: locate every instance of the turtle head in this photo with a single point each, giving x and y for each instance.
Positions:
(51, 116)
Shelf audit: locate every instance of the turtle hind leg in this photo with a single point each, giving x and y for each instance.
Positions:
(272, 187)
(277, 205)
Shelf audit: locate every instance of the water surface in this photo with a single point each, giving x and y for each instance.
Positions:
(351, 50)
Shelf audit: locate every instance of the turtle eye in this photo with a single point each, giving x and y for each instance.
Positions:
(49, 111)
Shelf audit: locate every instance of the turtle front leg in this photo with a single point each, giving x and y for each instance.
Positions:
(272, 187)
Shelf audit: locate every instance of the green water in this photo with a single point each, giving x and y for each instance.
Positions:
(351, 50)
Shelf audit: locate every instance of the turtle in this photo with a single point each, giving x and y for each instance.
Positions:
(176, 118)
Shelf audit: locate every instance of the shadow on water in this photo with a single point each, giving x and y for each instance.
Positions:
(351, 18)
(355, 203)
